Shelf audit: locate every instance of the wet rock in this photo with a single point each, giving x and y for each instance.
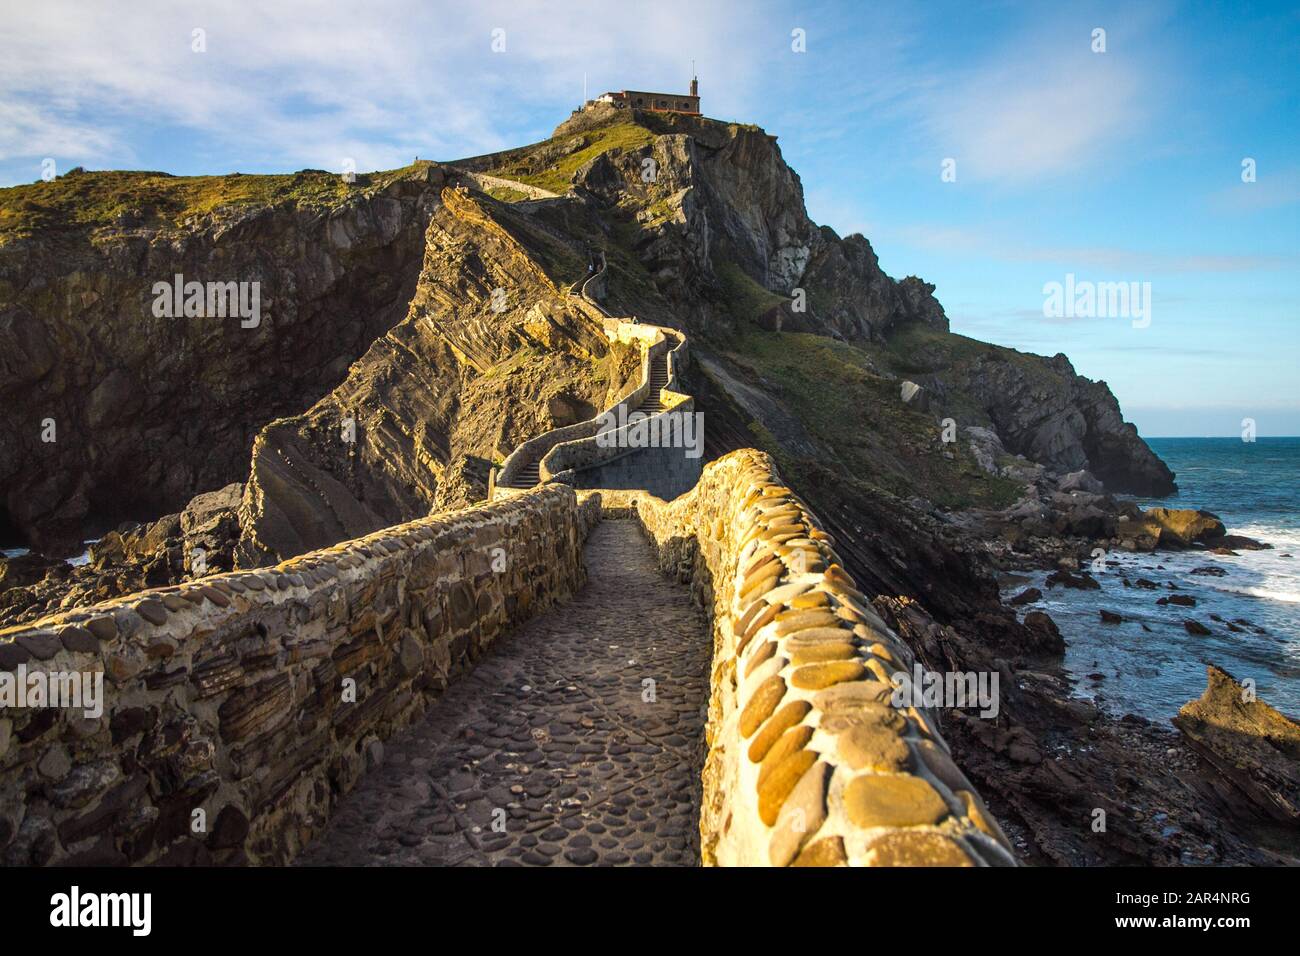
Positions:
(1027, 596)
(1236, 542)
(1254, 749)
(1080, 582)
(1047, 636)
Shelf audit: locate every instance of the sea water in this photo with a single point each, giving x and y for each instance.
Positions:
(1254, 487)
(83, 558)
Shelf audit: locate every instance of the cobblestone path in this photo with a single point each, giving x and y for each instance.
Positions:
(550, 737)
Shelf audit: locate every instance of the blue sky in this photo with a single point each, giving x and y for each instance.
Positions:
(1122, 166)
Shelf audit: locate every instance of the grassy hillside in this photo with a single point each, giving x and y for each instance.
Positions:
(836, 390)
(745, 299)
(87, 200)
(551, 164)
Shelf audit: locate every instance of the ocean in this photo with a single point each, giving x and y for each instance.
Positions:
(83, 558)
(1254, 487)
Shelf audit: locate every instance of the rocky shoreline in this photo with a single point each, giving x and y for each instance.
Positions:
(172, 549)
(1171, 794)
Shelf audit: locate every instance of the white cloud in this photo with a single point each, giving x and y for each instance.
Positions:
(28, 131)
(298, 83)
(1041, 105)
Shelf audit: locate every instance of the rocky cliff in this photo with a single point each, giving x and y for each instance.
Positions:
(491, 352)
(714, 214)
(113, 412)
(713, 234)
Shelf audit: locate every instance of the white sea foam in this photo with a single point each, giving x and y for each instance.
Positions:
(1150, 664)
(1287, 597)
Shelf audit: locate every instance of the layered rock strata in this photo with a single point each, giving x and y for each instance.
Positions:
(1253, 748)
(491, 351)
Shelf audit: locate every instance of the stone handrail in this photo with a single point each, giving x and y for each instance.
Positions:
(483, 182)
(238, 708)
(537, 446)
(811, 761)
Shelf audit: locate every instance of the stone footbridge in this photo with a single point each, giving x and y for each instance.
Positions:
(576, 740)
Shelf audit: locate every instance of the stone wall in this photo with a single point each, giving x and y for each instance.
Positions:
(486, 183)
(566, 452)
(260, 697)
(663, 472)
(810, 763)
(538, 447)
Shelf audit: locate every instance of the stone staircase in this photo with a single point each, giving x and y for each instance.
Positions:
(529, 473)
(523, 469)
(653, 403)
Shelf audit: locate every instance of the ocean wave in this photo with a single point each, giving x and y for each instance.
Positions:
(1268, 593)
(1281, 538)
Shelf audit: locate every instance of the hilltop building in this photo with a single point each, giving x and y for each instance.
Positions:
(645, 100)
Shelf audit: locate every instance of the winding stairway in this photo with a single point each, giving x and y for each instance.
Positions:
(529, 473)
(653, 403)
(526, 466)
